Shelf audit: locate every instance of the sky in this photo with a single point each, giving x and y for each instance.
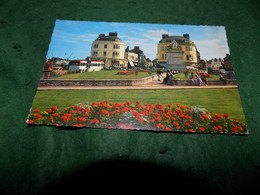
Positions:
(73, 39)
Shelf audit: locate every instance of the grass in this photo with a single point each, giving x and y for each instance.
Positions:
(181, 76)
(112, 74)
(214, 100)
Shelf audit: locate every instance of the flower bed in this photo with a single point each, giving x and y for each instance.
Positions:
(141, 117)
(131, 72)
(125, 72)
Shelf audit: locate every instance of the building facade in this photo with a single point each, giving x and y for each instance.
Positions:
(110, 49)
(131, 57)
(141, 56)
(190, 52)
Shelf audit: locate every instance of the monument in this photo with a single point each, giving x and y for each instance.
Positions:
(174, 58)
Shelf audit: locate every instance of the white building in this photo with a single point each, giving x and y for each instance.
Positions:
(131, 57)
(109, 48)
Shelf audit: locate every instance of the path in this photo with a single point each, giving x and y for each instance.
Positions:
(151, 85)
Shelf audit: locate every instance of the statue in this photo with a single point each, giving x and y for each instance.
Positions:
(173, 45)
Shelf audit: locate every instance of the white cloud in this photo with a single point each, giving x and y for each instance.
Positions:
(73, 37)
(155, 35)
(214, 48)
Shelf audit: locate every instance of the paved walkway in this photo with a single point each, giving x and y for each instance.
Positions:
(151, 85)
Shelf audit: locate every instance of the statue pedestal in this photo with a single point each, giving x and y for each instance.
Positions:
(174, 58)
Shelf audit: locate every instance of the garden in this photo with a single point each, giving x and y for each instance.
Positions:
(108, 74)
(210, 110)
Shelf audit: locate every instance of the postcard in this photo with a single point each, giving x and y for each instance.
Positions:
(135, 76)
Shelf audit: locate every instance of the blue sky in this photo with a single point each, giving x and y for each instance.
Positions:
(73, 39)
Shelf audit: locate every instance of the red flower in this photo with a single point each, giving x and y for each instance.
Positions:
(65, 118)
(55, 114)
(121, 126)
(191, 130)
(130, 127)
(110, 127)
(216, 120)
(168, 129)
(188, 124)
(236, 121)
(152, 121)
(93, 104)
(159, 118)
(201, 129)
(169, 105)
(36, 110)
(72, 111)
(175, 124)
(220, 127)
(54, 108)
(141, 120)
(95, 121)
(136, 114)
(239, 128)
(225, 115)
(30, 121)
(160, 126)
(82, 119)
(50, 110)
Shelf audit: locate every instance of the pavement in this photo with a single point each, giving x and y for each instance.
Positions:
(152, 85)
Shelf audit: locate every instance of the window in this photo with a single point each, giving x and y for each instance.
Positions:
(116, 46)
(105, 46)
(104, 53)
(163, 56)
(95, 45)
(189, 57)
(188, 48)
(162, 48)
(115, 54)
(95, 53)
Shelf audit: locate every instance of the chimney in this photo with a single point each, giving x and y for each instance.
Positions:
(187, 36)
(164, 36)
(101, 35)
(113, 34)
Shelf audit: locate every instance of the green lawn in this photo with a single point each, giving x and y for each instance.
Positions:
(111, 74)
(214, 100)
(181, 76)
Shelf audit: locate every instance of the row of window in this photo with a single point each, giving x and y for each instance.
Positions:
(188, 48)
(115, 54)
(105, 46)
(188, 57)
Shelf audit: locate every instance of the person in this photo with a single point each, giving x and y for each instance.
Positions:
(222, 78)
(204, 79)
(159, 74)
(199, 81)
(193, 79)
(168, 77)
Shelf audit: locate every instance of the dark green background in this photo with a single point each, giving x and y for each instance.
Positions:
(42, 159)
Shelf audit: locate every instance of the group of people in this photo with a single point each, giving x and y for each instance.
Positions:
(195, 78)
(167, 79)
(198, 79)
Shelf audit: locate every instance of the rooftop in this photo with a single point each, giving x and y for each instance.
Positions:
(179, 39)
(112, 36)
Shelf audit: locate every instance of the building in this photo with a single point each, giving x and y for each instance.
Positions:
(227, 63)
(110, 49)
(190, 52)
(131, 58)
(141, 56)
